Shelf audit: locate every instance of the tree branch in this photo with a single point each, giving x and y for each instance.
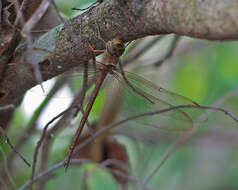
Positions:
(66, 46)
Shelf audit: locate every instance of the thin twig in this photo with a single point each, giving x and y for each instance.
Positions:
(166, 155)
(73, 106)
(41, 140)
(6, 169)
(142, 51)
(10, 106)
(35, 18)
(13, 148)
(19, 15)
(170, 52)
(116, 162)
(29, 41)
(129, 178)
(183, 137)
(101, 131)
(75, 161)
(52, 2)
(53, 168)
(123, 121)
(44, 161)
(31, 126)
(57, 126)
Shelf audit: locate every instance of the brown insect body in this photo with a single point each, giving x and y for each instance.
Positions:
(114, 49)
(154, 95)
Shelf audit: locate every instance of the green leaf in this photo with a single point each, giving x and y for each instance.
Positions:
(99, 179)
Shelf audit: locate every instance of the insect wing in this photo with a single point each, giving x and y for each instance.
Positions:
(178, 119)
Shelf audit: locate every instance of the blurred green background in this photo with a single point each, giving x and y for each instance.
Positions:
(204, 71)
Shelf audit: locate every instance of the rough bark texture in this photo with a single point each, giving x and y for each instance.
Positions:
(67, 45)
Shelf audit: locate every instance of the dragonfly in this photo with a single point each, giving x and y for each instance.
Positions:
(140, 94)
(144, 93)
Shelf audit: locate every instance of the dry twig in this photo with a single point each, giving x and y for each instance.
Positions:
(13, 148)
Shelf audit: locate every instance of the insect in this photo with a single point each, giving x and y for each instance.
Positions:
(114, 49)
(148, 95)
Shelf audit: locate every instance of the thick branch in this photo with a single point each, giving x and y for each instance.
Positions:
(128, 20)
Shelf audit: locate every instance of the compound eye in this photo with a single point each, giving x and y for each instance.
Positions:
(116, 47)
(119, 45)
(120, 49)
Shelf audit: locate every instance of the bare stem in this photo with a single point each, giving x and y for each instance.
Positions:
(77, 161)
(13, 148)
(41, 140)
(101, 131)
(170, 51)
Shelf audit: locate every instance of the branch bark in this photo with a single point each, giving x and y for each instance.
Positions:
(66, 46)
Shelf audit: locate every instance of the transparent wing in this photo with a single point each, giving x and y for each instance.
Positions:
(133, 103)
